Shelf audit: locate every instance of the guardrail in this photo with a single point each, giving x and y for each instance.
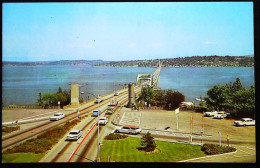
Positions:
(24, 121)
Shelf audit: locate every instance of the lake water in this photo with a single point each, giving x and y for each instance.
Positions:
(21, 84)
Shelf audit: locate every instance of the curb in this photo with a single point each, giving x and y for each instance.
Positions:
(207, 156)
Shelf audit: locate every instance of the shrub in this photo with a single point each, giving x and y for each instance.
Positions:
(12, 106)
(115, 136)
(213, 149)
(44, 141)
(148, 142)
(10, 129)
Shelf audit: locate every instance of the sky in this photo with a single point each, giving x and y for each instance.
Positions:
(126, 30)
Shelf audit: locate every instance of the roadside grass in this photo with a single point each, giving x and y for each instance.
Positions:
(125, 150)
(37, 146)
(21, 157)
(6, 130)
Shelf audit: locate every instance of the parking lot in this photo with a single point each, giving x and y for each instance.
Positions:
(157, 121)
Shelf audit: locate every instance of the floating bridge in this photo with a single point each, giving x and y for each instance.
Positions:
(151, 79)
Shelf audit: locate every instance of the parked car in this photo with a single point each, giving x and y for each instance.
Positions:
(221, 115)
(74, 135)
(116, 94)
(95, 113)
(245, 122)
(218, 116)
(110, 110)
(210, 114)
(103, 120)
(57, 116)
(98, 100)
(129, 129)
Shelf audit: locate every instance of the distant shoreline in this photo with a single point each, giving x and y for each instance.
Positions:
(194, 61)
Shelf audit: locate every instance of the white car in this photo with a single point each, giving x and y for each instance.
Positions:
(129, 129)
(103, 121)
(218, 116)
(74, 135)
(221, 115)
(210, 114)
(96, 113)
(98, 100)
(245, 122)
(57, 116)
(116, 94)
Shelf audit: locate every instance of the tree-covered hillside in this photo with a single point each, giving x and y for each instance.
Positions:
(194, 61)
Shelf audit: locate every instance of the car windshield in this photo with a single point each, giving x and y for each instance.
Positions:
(74, 133)
(57, 114)
(102, 119)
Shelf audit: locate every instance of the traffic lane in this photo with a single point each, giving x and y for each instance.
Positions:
(57, 150)
(53, 154)
(82, 152)
(92, 144)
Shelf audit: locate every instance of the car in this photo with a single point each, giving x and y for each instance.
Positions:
(110, 110)
(218, 116)
(129, 129)
(57, 116)
(74, 135)
(95, 113)
(210, 114)
(116, 94)
(245, 122)
(98, 100)
(221, 115)
(103, 120)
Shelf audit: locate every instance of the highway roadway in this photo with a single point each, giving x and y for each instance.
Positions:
(14, 139)
(85, 148)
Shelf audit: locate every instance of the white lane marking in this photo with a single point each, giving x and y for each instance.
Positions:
(156, 132)
(122, 117)
(173, 134)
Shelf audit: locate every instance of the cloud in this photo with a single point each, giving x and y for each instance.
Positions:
(209, 42)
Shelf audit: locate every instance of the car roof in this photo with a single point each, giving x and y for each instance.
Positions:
(74, 130)
(103, 117)
(246, 118)
(59, 113)
(131, 126)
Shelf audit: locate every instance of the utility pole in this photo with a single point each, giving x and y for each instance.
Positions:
(202, 129)
(177, 117)
(191, 128)
(219, 134)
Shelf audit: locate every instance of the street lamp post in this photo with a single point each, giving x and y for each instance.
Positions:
(78, 102)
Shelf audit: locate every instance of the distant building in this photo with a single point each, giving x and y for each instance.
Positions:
(187, 105)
